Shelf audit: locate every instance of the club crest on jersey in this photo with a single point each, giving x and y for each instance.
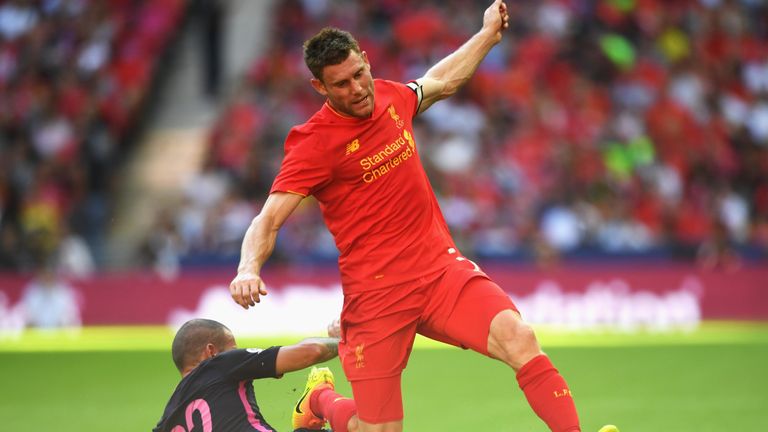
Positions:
(353, 146)
(359, 356)
(396, 117)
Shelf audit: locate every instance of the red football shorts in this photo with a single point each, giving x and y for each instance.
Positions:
(455, 306)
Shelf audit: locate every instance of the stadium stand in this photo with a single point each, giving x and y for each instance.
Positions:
(623, 128)
(74, 79)
(616, 128)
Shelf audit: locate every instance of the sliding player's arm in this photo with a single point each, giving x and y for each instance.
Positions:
(451, 73)
(258, 244)
(306, 353)
(310, 351)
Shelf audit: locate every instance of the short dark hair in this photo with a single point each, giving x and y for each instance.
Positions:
(330, 46)
(192, 338)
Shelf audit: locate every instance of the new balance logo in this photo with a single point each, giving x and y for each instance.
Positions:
(353, 146)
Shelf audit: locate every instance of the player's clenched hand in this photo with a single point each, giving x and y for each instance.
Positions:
(246, 289)
(496, 18)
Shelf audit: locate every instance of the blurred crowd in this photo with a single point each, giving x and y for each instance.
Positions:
(596, 128)
(618, 127)
(73, 77)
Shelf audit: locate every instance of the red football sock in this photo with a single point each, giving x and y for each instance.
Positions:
(548, 394)
(334, 408)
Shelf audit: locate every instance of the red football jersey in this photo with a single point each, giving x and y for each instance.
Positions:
(373, 192)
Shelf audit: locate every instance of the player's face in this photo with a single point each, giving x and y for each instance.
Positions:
(348, 86)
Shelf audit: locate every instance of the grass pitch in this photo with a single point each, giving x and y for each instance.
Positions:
(119, 379)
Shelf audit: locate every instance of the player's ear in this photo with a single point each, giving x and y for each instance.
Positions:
(364, 56)
(319, 86)
(210, 350)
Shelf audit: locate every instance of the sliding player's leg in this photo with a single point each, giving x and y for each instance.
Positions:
(320, 404)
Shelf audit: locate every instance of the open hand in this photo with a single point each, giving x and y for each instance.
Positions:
(246, 289)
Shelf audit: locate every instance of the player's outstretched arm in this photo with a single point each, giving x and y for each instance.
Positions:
(306, 353)
(258, 244)
(449, 74)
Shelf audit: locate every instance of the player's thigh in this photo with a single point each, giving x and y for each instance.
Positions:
(468, 323)
(377, 337)
(372, 352)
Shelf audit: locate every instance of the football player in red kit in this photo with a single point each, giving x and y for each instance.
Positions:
(401, 272)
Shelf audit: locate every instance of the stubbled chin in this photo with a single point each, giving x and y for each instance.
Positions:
(364, 109)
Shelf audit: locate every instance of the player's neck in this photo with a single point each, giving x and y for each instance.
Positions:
(188, 370)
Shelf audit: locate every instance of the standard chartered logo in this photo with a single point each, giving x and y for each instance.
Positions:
(392, 156)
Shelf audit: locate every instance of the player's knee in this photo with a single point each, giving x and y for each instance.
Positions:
(512, 341)
(353, 425)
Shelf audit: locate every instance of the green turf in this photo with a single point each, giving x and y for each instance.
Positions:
(715, 384)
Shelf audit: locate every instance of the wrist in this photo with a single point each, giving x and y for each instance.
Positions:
(490, 36)
(248, 267)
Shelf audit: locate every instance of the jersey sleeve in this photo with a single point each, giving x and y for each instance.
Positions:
(304, 170)
(417, 91)
(251, 363)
